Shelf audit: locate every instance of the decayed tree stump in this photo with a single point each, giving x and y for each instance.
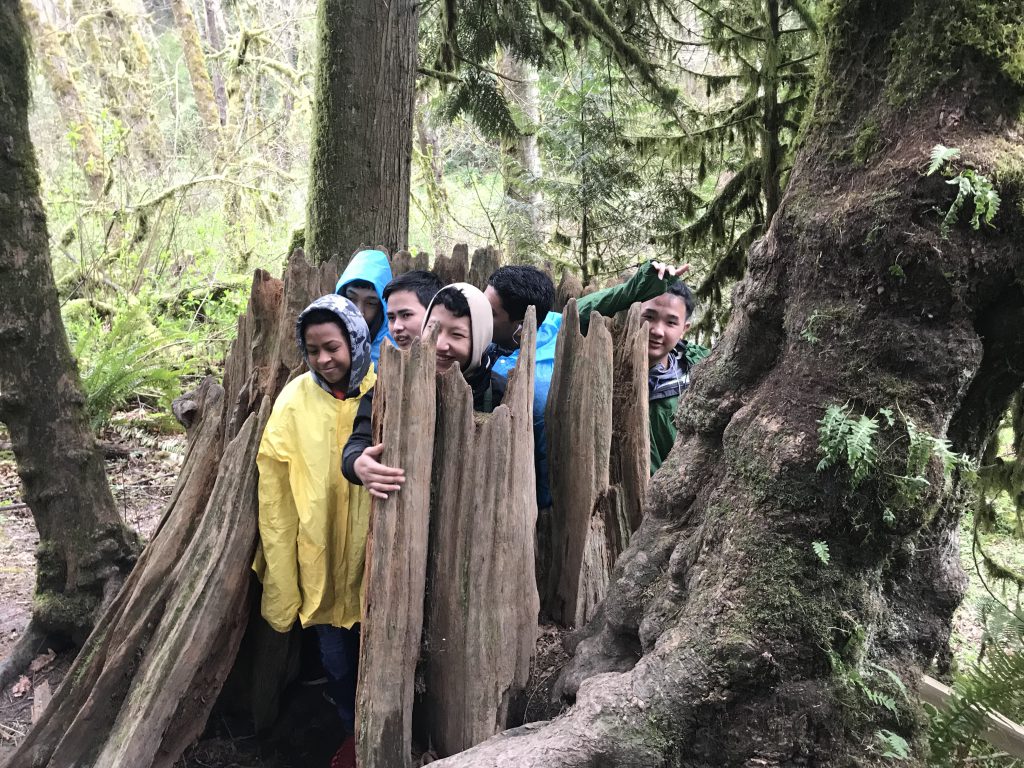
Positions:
(396, 559)
(569, 287)
(599, 456)
(482, 594)
(143, 685)
(579, 424)
(401, 262)
(453, 269)
(485, 261)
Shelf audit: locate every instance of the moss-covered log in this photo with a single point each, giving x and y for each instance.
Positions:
(361, 154)
(728, 640)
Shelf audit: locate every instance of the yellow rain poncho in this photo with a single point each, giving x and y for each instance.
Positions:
(313, 522)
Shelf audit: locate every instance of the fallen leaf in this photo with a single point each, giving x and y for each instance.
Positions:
(42, 661)
(20, 688)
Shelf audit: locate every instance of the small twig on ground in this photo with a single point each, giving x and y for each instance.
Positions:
(12, 507)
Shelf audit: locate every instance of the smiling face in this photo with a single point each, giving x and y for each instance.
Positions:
(454, 338)
(405, 317)
(666, 316)
(365, 297)
(328, 353)
(505, 328)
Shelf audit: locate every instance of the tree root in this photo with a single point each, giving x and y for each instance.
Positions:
(29, 645)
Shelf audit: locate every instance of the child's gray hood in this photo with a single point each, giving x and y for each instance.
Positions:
(358, 337)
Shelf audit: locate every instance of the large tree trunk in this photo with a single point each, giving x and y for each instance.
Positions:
(729, 642)
(361, 153)
(85, 549)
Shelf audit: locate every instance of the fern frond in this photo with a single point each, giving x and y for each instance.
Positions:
(940, 156)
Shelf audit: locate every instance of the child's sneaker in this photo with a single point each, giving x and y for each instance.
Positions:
(345, 757)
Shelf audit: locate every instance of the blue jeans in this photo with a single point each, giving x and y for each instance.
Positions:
(339, 652)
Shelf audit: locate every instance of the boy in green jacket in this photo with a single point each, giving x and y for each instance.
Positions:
(667, 306)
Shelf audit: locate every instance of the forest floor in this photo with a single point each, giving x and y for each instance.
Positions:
(142, 470)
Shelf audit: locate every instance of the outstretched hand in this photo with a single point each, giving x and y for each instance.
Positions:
(664, 269)
(379, 479)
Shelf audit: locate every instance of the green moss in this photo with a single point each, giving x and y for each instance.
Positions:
(933, 45)
(68, 613)
(867, 142)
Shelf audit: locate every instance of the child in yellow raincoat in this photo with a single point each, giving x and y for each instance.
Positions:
(313, 523)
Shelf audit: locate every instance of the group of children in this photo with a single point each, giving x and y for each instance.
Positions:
(317, 462)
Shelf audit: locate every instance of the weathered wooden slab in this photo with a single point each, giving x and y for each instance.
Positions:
(482, 596)
(630, 467)
(453, 269)
(396, 559)
(485, 261)
(579, 427)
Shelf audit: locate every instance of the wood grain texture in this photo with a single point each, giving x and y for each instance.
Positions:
(579, 425)
(482, 593)
(396, 559)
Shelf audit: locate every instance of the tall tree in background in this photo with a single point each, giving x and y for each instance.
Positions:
(84, 549)
(195, 60)
(755, 64)
(361, 153)
(770, 600)
(61, 79)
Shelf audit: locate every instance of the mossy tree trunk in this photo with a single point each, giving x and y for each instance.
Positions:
(199, 74)
(361, 153)
(728, 640)
(84, 549)
(54, 62)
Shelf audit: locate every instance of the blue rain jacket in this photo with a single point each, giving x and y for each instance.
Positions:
(547, 335)
(374, 268)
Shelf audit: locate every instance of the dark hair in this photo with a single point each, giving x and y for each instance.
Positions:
(520, 286)
(418, 281)
(453, 300)
(320, 316)
(682, 290)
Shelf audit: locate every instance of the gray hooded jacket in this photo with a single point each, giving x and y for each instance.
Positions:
(355, 330)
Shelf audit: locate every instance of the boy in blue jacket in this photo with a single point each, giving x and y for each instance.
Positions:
(363, 283)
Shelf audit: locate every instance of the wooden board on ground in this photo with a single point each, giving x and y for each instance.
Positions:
(396, 559)
(482, 601)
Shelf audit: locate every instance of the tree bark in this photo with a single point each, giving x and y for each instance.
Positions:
(85, 549)
(725, 639)
(482, 594)
(396, 559)
(431, 160)
(214, 17)
(522, 166)
(363, 102)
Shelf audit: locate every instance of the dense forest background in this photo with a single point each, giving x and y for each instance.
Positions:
(174, 146)
(174, 143)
